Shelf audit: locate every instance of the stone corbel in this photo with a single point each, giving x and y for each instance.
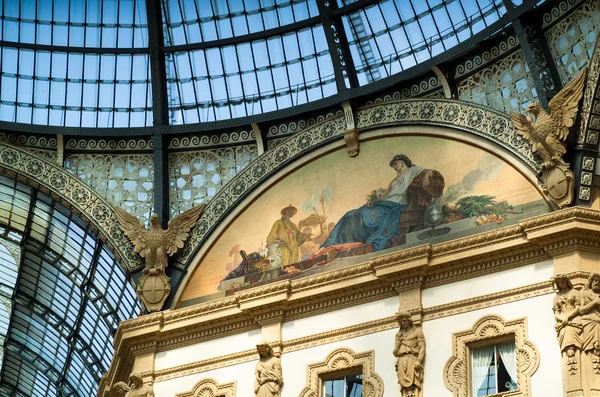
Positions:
(350, 134)
(271, 323)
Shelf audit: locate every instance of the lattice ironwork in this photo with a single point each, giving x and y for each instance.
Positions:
(504, 86)
(126, 181)
(572, 40)
(195, 177)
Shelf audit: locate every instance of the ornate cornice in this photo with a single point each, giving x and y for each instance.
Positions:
(358, 330)
(208, 141)
(144, 144)
(529, 241)
(70, 191)
(481, 302)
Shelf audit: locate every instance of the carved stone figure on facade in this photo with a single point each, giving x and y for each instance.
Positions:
(547, 135)
(410, 352)
(268, 372)
(136, 388)
(566, 306)
(155, 246)
(590, 341)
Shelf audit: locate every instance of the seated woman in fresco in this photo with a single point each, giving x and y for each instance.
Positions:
(378, 220)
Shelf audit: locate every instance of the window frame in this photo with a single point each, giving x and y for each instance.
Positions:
(503, 339)
(339, 362)
(488, 330)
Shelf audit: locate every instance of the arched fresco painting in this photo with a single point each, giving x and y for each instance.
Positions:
(400, 191)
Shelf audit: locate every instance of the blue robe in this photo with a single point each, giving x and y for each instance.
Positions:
(376, 224)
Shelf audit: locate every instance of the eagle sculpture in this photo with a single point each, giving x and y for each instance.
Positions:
(549, 130)
(156, 244)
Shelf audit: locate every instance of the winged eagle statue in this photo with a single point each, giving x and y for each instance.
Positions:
(547, 135)
(548, 131)
(155, 245)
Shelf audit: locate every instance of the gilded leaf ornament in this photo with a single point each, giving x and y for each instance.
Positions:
(155, 245)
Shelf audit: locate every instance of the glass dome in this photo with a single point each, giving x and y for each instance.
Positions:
(89, 63)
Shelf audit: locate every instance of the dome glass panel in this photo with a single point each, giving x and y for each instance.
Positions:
(198, 21)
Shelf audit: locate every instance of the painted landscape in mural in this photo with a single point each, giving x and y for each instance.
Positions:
(400, 191)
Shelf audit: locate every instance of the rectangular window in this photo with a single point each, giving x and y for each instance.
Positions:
(343, 386)
(493, 369)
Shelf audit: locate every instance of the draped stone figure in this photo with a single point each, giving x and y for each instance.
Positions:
(566, 306)
(590, 341)
(410, 352)
(268, 373)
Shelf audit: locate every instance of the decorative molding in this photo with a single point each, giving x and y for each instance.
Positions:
(530, 241)
(145, 144)
(485, 301)
(29, 141)
(473, 64)
(292, 127)
(204, 365)
(341, 334)
(210, 141)
(558, 11)
(456, 372)
(83, 200)
(428, 85)
(210, 388)
(339, 360)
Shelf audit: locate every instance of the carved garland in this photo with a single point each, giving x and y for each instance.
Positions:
(210, 388)
(456, 373)
(341, 359)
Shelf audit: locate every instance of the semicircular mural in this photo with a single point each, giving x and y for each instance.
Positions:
(400, 191)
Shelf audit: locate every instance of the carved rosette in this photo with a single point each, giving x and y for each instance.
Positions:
(456, 373)
(210, 388)
(339, 360)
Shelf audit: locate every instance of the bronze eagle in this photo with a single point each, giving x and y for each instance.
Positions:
(156, 244)
(549, 130)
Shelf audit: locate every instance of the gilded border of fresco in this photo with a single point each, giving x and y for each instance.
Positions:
(70, 191)
(468, 117)
(456, 373)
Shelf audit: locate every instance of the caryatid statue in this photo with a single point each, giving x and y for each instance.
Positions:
(268, 372)
(566, 306)
(155, 246)
(410, 352)
(590, 337)
(136, 388)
